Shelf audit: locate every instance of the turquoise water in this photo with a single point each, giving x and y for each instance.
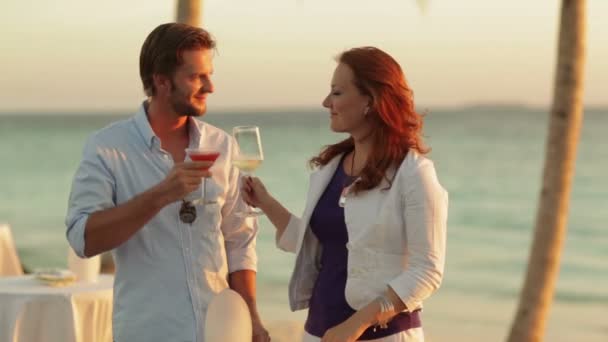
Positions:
(489, 159)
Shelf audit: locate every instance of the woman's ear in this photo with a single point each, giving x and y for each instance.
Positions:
(368, 107)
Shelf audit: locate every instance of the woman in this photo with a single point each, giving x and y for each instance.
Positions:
(371, 243)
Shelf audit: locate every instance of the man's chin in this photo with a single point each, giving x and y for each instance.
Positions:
(192, 110)
(199, 110)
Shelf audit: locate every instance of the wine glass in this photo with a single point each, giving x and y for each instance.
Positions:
(203, 154)
(248, 157)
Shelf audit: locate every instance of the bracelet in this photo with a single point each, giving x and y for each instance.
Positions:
(386, 305)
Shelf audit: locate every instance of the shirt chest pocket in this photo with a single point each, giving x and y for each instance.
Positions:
(135, 174)
(207, 222)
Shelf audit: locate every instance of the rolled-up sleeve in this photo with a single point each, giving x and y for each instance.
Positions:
(288, 240)
(425, 215)
(239, 233)
(93, 189)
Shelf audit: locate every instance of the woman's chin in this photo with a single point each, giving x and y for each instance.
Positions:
(335, 126)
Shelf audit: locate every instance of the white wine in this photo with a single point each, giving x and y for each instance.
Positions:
(247, 157)
(247, 165)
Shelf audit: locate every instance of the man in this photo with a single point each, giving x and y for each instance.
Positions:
(134, 194)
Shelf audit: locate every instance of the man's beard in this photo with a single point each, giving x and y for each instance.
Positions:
(180, 104)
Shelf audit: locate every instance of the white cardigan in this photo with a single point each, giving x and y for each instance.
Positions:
(396, 237)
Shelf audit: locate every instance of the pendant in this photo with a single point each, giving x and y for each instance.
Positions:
(187, 212)
(342, 201)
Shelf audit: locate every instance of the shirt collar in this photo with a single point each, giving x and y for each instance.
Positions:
(143, 126)
(195, 131)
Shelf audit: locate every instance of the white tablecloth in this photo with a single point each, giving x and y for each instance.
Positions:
(9, 261)
(33, 312)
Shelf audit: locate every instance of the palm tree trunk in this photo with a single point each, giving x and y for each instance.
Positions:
(552, 215)
(423, 5)
(190, 12)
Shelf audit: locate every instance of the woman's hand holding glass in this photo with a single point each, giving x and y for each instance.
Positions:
(255, 193)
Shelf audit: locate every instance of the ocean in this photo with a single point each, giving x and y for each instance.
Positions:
(488, 158)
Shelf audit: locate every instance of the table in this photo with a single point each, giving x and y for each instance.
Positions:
(33, 312)
(9, 261)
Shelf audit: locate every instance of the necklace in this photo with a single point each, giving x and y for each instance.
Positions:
(352, 164)
(346, 189)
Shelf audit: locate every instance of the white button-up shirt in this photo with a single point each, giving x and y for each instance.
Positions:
(168, 271)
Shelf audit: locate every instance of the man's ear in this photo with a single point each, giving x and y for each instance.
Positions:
(161, 82)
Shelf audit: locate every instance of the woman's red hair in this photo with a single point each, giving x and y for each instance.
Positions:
(396, 126)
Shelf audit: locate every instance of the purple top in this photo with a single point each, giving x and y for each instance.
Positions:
(328, 306)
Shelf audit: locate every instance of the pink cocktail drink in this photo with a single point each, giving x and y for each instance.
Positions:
(199, 154)
(203, 156)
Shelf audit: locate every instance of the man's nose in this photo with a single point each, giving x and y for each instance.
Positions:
(207, 87)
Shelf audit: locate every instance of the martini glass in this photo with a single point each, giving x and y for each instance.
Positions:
(203, 154)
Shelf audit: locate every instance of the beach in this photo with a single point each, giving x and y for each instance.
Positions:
(488, 158)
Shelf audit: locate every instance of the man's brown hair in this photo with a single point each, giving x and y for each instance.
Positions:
(162, 51)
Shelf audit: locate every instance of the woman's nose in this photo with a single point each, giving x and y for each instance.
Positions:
(326, 103)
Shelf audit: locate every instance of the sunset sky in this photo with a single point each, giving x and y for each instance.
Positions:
(82, 56)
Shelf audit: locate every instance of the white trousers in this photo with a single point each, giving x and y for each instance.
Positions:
(410, 335)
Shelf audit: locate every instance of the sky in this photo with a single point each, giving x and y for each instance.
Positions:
(82, 55)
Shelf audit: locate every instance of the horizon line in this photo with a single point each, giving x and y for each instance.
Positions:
(274, 110)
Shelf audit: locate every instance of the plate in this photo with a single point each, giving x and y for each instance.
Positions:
(55, 276)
